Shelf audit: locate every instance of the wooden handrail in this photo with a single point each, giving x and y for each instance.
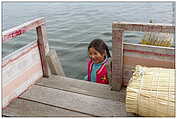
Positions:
(24, 66)
(39, 25)
(160, 51)
(16, 31)
(118, 29)
(144, 27)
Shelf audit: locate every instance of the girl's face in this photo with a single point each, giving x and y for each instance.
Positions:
(95, 55)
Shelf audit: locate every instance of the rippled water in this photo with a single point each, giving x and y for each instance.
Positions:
(72, 25)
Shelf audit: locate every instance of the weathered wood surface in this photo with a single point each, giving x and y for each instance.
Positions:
(16, 31)
(77, 102)
(23, 67)
(149, 52)
(117, 59)
(50, 98)
(28, 108)
(54, 63)
(14, 56)
(144, 27)
(41, 39)
(134, 54)
(145, 55)
(82, 87)
(20, 70)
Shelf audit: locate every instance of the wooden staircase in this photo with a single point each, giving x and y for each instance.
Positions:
(66, 97)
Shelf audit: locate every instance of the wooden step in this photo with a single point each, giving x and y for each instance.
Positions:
(77, 102)
(67, 97)
(28, 108)
(82, 87)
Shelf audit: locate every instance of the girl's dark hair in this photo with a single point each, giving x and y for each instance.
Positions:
(100, 46)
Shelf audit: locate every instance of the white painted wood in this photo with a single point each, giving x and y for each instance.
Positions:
(18, 51)
(18, 62)
(150, 52)
(13, 32)
(20, 70)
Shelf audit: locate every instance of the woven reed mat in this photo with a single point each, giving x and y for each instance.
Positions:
(151, 92)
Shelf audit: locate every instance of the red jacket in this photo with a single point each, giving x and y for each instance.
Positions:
(101, 74)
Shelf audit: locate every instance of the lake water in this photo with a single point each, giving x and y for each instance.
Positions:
(71, 26)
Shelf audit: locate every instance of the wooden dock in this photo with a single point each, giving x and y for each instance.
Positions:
(67, 97)
(28, 88)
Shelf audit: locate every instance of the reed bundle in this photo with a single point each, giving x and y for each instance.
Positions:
(157, 39)
(151, 92)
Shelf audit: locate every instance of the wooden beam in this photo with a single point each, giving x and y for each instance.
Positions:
(44, 31)
(16, 31)
(144, 27)
(149, 50)
(54, 63)
(18, 54)
(117, 59)
(41, 39)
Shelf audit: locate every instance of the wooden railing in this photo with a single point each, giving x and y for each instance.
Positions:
(39, 24)
(127, 55)
(23, 67)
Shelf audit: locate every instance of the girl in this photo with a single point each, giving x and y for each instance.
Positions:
(99, 67)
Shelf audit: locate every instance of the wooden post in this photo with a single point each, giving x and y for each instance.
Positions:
(44, 31)
(41, 39)
(117, 58)
(54, 63)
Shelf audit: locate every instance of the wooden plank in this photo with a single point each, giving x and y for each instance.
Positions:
(151, 56)
(82, 87)
(117, 59)
(54, 63)
(41, 39)
(45, 39)
(26, 108)
(145, 55)
(167, 52)
(18, 54)
(144, 27)
(148, 62)
(20, 70)
(16, 31)
(130, 62)
(77, 102)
